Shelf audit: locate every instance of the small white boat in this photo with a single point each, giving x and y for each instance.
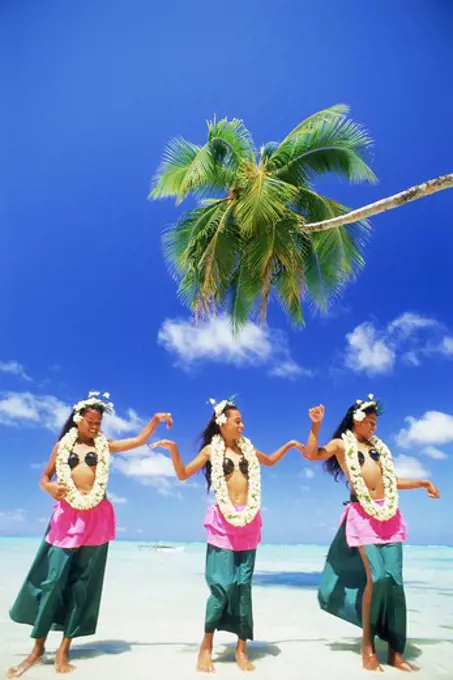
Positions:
(161, 547)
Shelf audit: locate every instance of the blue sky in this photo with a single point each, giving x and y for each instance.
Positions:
(86, 301)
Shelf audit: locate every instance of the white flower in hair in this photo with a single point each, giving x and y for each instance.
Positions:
(359, 416)
(77, 418)
(371, 397)
(218, 410)
(106, 395)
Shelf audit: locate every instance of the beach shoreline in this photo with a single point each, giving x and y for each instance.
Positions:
(153, 609)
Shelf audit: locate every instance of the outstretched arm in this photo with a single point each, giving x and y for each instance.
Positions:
(118, 445)
(274, 458)
(409, 484)
(183, 472)
(313, 451)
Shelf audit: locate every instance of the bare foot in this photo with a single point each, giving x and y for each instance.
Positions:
(62, 664)
(370, 662)
(33, 658)
(243, 661)
(398, 661)
(204, 662)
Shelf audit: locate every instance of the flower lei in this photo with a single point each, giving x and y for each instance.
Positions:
(390, 506)
(74, 497)
(238, 518)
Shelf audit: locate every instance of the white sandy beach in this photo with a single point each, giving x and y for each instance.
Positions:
(153, 607)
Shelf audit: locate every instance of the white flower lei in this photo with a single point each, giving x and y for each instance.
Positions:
(390, 506)
(235, 517)
(78, 500)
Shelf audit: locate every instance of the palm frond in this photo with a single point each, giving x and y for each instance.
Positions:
(289, 285)
(231, 143)
(241, 298)
(329, 115)
(339, 146)
(185, 167)
(264, 201)
(202, 252)
(332, 262)
(272, 254)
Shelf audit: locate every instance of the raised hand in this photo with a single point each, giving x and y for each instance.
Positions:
(316, 414)
(164, 418)
(163, 444)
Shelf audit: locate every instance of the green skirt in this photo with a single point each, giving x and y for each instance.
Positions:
(229, 577)
(344, 579)
(62, 591)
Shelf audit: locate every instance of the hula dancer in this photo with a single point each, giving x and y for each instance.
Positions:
(232, 466)
(63, 588)
(362, 580)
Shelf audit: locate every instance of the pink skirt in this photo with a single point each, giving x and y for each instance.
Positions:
(221, 534)
(362, 529)
(71, 528)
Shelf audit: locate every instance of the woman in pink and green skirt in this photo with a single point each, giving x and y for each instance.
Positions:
(63, 588)
(233, 524)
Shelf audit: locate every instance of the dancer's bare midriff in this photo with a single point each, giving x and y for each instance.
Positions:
(371, 472)
(237, 482)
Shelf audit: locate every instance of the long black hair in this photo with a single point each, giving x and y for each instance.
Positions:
(331, 465)
(69, 424)
(206, 436)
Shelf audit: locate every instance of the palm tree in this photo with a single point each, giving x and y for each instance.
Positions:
(260, 228)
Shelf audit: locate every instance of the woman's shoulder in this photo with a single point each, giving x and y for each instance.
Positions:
(206, 451)
(338, 444)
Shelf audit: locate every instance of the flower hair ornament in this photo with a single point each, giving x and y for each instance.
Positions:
(94, 400)
(361, 406)
(220, 417)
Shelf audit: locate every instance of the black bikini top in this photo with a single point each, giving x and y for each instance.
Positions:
(228, 466)
(373, 453)
(91, 459)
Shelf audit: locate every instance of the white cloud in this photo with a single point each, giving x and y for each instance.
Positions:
(434, 453)
(446, 346)
(408, 323)
(116, 500)
(163, 486)
(115, 426)
(144, 466)
(433, 428)
(24, 407)
(17, 408)
(367, 352)
(14, 368)
(307, 473)
(9, 517)
(410, 337)
(213, 340)
(407, 466)
(154, 470)
(289, 369)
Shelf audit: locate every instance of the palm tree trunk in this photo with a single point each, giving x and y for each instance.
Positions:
(412, 194)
